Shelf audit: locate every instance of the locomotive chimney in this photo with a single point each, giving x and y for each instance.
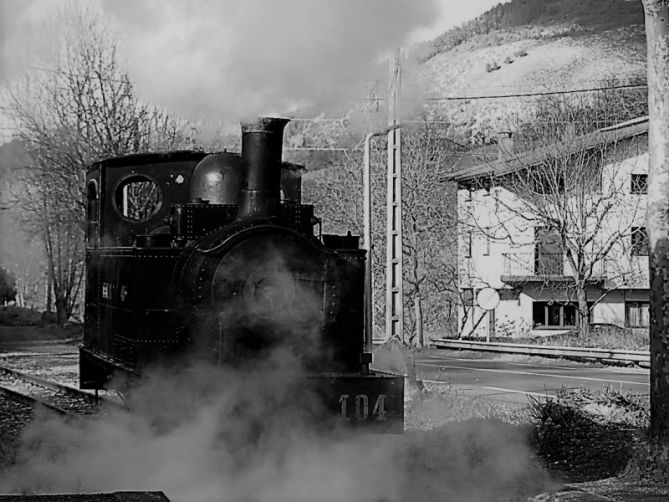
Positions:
(262, 144)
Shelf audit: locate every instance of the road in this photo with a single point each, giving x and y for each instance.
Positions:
(510, 381)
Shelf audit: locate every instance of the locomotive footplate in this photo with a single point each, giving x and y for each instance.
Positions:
(371, 401)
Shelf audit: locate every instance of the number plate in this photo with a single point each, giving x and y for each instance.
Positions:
(374, 401)
(357, 407)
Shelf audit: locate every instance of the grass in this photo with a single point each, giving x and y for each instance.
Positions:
(603, 337)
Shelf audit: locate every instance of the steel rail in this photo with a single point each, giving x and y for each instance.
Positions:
(32, 401)
(49, 384)
(87, 400)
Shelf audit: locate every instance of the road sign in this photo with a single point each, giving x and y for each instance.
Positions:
(487, 298)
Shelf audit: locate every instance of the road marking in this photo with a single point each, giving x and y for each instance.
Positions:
(533, 374)
(464, 359)
(496, 389)
(512, 391)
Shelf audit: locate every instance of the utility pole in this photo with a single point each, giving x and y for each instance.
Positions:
(367, 235)
(657, 216)
(394, 300)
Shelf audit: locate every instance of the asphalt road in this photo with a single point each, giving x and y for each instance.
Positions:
(511, 381)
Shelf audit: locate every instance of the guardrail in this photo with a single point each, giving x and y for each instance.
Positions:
(640, 357)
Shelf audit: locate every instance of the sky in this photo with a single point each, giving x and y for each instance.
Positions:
(239, 56)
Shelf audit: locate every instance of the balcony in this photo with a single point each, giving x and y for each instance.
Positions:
(522, 267)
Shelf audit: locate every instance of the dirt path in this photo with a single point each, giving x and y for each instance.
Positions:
(46, 351)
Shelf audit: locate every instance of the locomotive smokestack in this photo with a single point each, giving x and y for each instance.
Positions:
(262, 143)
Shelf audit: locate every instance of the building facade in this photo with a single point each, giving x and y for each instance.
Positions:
(552, 225)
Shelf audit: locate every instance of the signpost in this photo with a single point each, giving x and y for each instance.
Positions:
(488, 299)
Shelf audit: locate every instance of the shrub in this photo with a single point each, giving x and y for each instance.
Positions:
(587, 434)
(7, 286)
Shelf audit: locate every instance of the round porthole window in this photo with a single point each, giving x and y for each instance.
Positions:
(138, 198)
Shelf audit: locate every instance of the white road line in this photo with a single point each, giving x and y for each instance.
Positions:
(465, 359)
(496, 389)
(512, 391)
(532, 374)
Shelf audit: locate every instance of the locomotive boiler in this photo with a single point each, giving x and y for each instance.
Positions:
(214, 257)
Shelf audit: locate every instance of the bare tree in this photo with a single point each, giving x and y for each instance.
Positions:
(80, 110)
(657, 37)
(429, 222)
(429, 228)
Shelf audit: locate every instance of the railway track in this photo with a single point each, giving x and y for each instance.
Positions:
(59, 398)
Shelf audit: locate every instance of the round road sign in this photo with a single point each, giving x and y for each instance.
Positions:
(487, 298)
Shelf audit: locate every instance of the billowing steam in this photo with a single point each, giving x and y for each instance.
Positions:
(205, 435)
(242, 58)
(255, 432)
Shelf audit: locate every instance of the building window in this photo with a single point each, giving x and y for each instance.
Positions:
(639, 184)
(639, 241)
(486, 244)
(92, 216)
(637, 314)
(468, 244)
(554, 314)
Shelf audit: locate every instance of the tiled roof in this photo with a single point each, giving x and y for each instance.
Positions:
(529, 158)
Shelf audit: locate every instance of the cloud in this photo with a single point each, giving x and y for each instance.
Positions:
(233, 58)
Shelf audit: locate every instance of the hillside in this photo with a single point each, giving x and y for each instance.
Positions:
(581, 16)
(529, 46)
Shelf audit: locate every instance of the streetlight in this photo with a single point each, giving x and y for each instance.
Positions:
(367, 233)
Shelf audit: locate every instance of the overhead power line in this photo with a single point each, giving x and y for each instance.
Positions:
(528, 94)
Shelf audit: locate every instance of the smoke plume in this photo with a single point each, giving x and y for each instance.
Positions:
(237, 59)
(206, 434)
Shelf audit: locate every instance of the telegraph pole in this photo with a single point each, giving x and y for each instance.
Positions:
(394, 300)
(657, 216)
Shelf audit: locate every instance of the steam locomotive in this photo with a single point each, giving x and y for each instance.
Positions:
(214, 256)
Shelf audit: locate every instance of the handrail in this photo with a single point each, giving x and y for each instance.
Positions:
(640, 357)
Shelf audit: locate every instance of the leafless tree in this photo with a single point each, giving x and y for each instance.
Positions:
(429, 224)
(79, 109)
(657, 37)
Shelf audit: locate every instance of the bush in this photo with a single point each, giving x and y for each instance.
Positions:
(492, 66)
(7, 286)
(19, 316)
(589, 435)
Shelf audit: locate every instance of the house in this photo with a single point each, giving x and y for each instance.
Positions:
(558, 230)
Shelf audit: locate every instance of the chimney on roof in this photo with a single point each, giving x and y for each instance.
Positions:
(505, 144)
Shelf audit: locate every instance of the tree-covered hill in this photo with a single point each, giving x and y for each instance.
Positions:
(580, 15)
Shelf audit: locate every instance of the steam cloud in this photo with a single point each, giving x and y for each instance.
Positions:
(207, 433)
(242, 58)
(203, 435)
